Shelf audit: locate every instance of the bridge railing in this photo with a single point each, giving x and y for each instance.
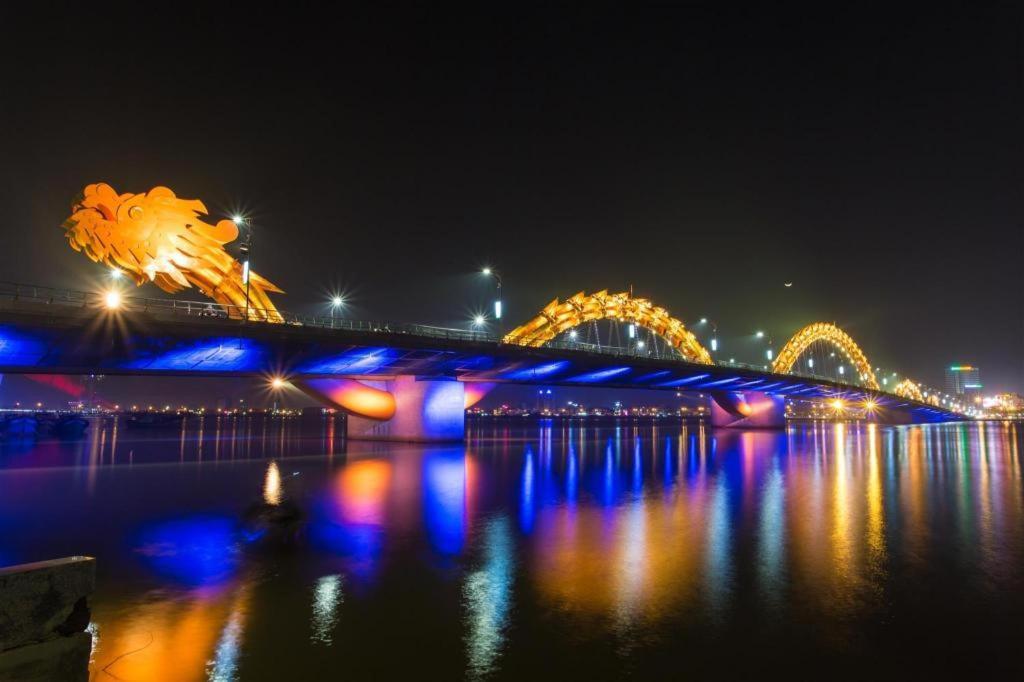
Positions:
(13, 293)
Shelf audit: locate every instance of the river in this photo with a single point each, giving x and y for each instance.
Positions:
(534, 550)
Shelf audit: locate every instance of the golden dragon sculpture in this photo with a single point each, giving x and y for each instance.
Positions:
(157, 237)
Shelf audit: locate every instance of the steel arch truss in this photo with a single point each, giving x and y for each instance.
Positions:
(559, 317)
(824, 331)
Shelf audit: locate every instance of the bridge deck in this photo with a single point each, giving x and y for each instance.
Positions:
(39, 335)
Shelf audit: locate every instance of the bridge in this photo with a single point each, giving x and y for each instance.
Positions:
(414, 382)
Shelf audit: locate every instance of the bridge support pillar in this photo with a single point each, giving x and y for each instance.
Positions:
(748, 409)
(421, 411)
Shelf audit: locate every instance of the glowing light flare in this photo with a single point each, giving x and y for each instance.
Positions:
(112, 299)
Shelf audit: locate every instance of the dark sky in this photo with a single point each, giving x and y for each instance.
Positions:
(705, 156)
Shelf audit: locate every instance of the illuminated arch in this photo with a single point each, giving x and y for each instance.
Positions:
(559, 317)
(908, 389)
(823, 331)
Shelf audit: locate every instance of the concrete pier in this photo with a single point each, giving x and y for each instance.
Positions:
(400, 408)
(44, 612)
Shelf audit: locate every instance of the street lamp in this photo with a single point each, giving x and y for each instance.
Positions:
(245, 249)
(714, 333)
(336, 302)
(769, 353)
(490, 272)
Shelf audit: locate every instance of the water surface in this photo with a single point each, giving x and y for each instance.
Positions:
(535, 551)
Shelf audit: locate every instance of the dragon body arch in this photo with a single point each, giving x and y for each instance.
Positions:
(558, 317)
(824, 331)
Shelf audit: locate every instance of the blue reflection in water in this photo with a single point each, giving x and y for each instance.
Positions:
(638, 467)
(350, 518)
(571, 477)
(772, 541)
(668, 472)
(488, 597)
(360, 543)
(526, 493)
(444, 500)
(718, 568)
(197, 551)
(609, 476)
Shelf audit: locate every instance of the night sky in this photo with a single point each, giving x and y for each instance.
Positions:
(704, 156)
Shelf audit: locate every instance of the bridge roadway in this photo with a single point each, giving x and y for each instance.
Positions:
(425, 376)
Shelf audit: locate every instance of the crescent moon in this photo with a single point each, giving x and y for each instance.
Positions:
(788, 284)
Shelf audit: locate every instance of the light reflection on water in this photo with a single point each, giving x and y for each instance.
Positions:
(543, 550)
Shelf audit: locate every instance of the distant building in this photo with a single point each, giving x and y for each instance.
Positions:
(963, 380)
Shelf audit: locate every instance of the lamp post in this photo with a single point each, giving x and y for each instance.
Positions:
(490, 272)
(714, 333)
(769, 353)
(245, 249)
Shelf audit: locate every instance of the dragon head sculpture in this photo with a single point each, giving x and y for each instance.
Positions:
(157, 237)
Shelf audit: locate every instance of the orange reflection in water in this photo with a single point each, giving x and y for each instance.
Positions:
(188, 638)
(362, 488)
(636, 562)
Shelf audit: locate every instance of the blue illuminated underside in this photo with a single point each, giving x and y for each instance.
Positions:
(222, 354)
(354, 361)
